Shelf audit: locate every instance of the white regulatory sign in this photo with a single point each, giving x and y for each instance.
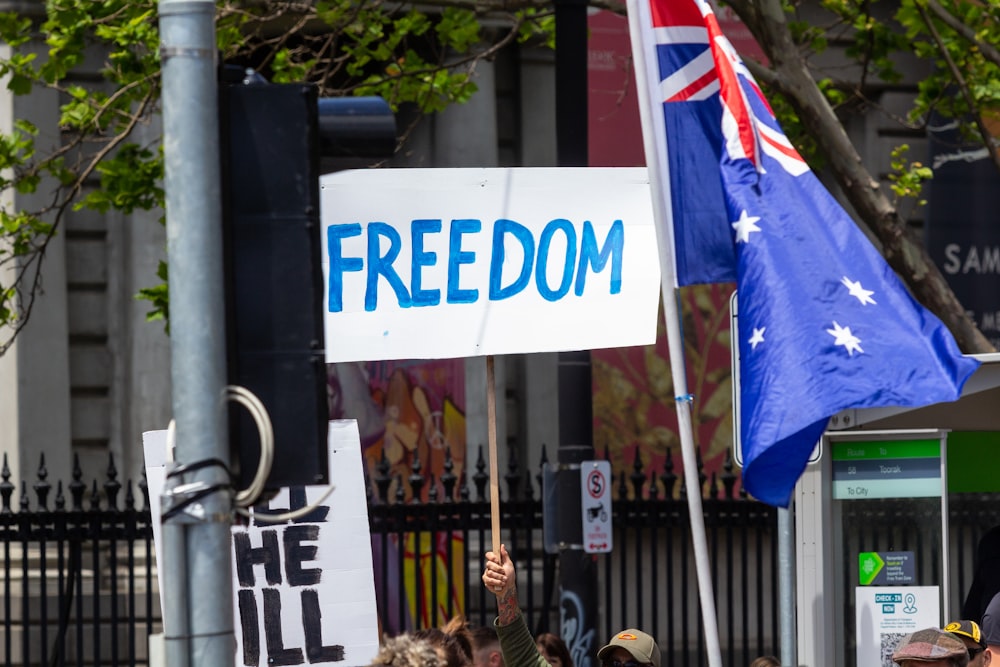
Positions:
(595, 504)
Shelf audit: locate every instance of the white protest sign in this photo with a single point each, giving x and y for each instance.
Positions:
(886, 614)
(304, 590)
(447, 263)
(154, 449)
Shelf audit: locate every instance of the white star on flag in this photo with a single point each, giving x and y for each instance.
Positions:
(745, 225)
(843, 336)
(856, 290)
(757, 337)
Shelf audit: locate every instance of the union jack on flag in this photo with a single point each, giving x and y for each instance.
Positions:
(824, 323)
(697, 61)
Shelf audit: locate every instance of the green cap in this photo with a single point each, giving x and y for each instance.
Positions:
(641, 646)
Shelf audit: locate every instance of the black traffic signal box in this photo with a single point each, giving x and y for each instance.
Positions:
(273, 137)
(274, 320)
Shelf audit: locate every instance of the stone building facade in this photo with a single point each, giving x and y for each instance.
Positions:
(88, 374)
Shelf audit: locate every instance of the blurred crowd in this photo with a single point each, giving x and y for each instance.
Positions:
(507, 642)
(460, 644)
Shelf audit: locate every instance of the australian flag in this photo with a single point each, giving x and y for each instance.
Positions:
(824, 322)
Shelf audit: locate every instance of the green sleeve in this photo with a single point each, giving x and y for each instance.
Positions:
(518, 646)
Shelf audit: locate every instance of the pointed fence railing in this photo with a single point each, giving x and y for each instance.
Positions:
(79, 585)
(77, 582)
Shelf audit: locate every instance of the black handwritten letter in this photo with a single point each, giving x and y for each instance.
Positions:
(313, 630)
(297, 500)
(267, 555)
(248, 621)
(296, 552)
(277, 654)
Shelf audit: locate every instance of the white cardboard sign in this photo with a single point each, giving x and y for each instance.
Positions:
(448, 263)
(304, 590)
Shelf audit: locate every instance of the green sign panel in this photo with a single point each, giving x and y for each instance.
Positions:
(886, 449)
(967, 452)
(886, 568)
(886, 469)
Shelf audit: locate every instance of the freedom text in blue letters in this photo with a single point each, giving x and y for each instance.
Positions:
(583, 252)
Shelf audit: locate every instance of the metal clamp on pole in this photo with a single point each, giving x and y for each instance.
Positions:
(181, 502)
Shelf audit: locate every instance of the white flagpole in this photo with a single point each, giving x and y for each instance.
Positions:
(655, 143)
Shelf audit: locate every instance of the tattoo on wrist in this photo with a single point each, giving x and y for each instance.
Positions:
(507, 607)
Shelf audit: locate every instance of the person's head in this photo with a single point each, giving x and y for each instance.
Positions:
(554, 650)
(453, 642)
(766, 661)
(630, 648)
(991, 626)
(407, 651)
(485, 647)
(931, 647)
(971, 635)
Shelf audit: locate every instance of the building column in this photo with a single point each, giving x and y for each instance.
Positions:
(538, 107)
(34, 372)
(140, 349)
(465, 135)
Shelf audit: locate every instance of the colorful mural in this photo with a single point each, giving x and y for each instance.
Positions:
(431, 589)
(410, 412)
(634, 409)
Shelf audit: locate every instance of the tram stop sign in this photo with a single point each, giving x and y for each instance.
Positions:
(595, 506)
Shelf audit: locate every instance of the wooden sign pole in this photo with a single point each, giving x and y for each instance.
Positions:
(491, 418)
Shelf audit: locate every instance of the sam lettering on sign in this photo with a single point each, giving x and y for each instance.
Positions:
(446, 263)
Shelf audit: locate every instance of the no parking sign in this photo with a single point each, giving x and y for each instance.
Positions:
(595, 505)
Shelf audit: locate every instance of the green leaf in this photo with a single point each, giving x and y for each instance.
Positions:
(159, 297)
(458, 28)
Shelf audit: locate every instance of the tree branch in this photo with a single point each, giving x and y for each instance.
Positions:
(988, 50)
(984, 133)
(63, 197)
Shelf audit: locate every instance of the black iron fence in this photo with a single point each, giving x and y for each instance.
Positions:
(79, 584)
(648, 581)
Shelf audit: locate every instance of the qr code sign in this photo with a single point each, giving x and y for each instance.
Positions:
(890, 640)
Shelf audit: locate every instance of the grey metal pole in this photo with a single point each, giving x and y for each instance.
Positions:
(199, 596)
(786, 586)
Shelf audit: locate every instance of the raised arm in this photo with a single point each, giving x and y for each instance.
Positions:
(516, 643)
(500, 579)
